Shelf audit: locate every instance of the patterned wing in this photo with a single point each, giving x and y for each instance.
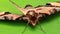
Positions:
(47, 10)
(42, 11)
(9, 16)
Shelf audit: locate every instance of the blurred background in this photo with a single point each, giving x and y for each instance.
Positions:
(50, 24)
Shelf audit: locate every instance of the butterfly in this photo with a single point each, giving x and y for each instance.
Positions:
(30, 13)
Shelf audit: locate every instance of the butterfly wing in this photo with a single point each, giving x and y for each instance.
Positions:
(9, 16)
(42, 11)
(50, 8)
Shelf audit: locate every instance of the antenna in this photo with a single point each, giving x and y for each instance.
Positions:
(18, 7)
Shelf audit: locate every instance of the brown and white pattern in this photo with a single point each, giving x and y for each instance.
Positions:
(31, 14)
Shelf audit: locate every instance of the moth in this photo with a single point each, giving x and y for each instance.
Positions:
(30, 13)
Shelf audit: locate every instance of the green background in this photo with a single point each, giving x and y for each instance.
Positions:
(50, 24)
